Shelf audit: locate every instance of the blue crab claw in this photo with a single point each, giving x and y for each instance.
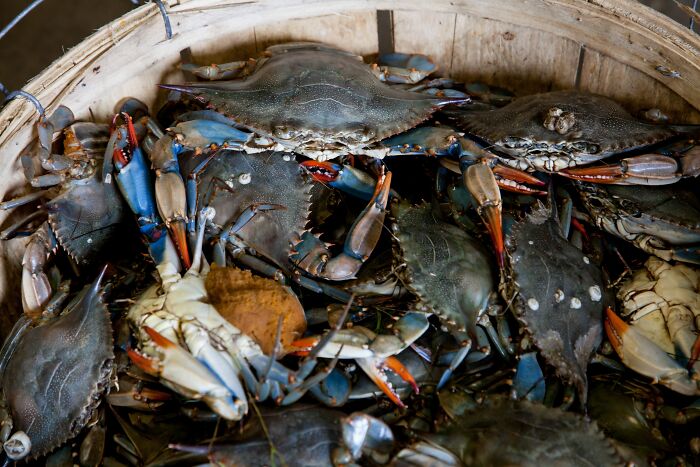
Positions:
(646, 169)
(203, 133)
(343, 177)
(171, 194)
(481, 183)
(643, 356)
(373, 353)
(134, 181)
(312, 255)
(181, 370)
(528, 382)
(434, 141)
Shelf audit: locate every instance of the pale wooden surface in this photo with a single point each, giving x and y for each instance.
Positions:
(632, 88)
(527, 45)
(431, 34)
(525, 60)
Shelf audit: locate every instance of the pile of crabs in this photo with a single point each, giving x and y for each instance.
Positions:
(306, 260)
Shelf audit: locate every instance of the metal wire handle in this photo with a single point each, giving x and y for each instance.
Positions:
(35, 3)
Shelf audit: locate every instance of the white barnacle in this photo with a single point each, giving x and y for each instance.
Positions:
(595, 293)
(533, 304)
(244, 178)
(89, 241)
(286, 158)
(559, 295)
(575, 303)
(586, 260)
(530, 242)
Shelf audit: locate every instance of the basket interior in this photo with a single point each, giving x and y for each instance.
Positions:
(618, 48)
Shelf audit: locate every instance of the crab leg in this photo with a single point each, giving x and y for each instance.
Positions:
(647, 169)
(171, 195)
(373, 353)
(312, 255)
(507, 178)
(643, 356)
(229, 70)
(403, 68)
(46, 127)
(36, 288)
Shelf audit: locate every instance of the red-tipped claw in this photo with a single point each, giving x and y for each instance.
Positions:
(324, 172)
(642, 355)
(147, 364)
(646, 169)
(516, 181)
(481, 183)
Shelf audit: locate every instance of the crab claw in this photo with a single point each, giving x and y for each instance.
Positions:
(343, 177)
(646, 169)
(180, 370)
(349, 344)
(171, 194)
(376, 369)
(312, 255)
(134, 181)
(373, 353)
(516, 181)
(642, 355)
(481, 183)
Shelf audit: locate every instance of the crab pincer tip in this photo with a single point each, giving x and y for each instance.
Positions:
(324, 172)
(615, 328)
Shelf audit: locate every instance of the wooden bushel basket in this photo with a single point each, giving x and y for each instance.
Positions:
(618, 48)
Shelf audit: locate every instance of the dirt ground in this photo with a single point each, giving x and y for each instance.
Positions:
(57, 25)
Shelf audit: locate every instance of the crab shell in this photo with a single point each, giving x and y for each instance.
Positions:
(86, 218)
(233, 181)
(55, 378)
(556, 130)
(317, 100)
(447, 269)
(559, 296)
(508, 432)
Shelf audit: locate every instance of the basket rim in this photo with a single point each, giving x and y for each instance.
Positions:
(677, 45)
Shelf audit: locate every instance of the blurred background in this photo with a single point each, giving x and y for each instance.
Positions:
(54, 26)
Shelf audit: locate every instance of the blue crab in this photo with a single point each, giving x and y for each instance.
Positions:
(84, 214)
(557, 293)
(556, 131)
(507, 432)
(318, 101)
(54, 374)
(662, 221)
(447, 270)
(254, 215)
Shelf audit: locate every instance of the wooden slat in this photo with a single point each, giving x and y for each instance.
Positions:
(632, 88)
(521, 59)
(355, 31)
(427, 33)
